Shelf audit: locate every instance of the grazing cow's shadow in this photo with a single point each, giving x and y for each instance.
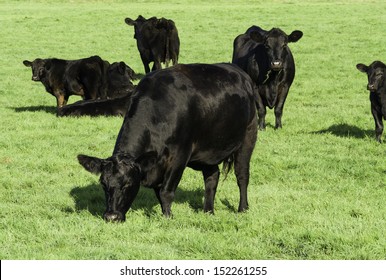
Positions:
(92, 199)
(47, 109)
(346, 130)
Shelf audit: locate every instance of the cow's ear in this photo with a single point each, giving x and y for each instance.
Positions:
(131, 71)
(147, 160)
(363, 68)
(257, 37)
(27, 63)
(91, 164)
(295, 36)
(47, 65)
(121, 67)
(130, 22)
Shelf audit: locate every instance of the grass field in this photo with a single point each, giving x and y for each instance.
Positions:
(317, 188)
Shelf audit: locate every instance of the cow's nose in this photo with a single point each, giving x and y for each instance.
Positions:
(371, 87)
(113, 217)
(276, 65)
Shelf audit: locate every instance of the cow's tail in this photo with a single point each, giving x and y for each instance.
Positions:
(169, 30)
(227, 165)
(167, 54)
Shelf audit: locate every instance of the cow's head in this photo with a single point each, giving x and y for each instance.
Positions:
(376, 73)
(275, 42)
(119, 78)
(136, 23)
(120, 178)
(38, 68)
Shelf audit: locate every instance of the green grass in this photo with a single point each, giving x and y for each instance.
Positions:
(317, 188)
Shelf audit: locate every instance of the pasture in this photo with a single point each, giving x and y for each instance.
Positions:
(317, 187)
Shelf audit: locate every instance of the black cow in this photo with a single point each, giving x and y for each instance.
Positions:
(157, 41)
(91, 78)
(195, 115)
(266, 57)
(107, 107)
(376, 73)
(119, 80)
(63, 78)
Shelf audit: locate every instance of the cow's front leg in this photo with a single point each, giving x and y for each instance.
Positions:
(211, 175)
(166, 198)
(166, 193)
(60, 99)
(378, 123)
(278, 115)
(145, 64)
(282, 96)
(261, 110)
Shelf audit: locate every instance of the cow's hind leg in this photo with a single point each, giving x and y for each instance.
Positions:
(157, 65)
(242, 162)
(211, 175)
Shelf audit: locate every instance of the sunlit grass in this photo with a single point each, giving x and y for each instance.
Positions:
(317, 188)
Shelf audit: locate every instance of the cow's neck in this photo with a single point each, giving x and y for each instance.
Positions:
(270, 75)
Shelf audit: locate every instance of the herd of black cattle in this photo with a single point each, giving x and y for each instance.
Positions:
(195, 115)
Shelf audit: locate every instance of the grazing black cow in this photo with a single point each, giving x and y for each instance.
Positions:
(106, 107)
(91, 78)
(266, 57)
(157, 41)
(376, 73)
(195, 115)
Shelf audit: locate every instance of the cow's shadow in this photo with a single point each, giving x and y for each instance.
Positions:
(47, 109)
(92, 198)
(347, 131)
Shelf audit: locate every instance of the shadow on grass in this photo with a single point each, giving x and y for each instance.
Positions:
(228, 205)
(92, 199)
(47, 109)
(346, 130)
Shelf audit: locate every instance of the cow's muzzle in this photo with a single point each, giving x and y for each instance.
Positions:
(371, 87)
(114, 217)
(35, 78)
(276, 65)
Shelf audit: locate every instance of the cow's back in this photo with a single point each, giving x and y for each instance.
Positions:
(200, 109)
(251, 57)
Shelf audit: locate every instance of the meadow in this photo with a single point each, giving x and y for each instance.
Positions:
(317, 187)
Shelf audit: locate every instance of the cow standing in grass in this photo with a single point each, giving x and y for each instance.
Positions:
(90, 78)
(157, 41)
(266, 57)
(376, 73)
(195, 115)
